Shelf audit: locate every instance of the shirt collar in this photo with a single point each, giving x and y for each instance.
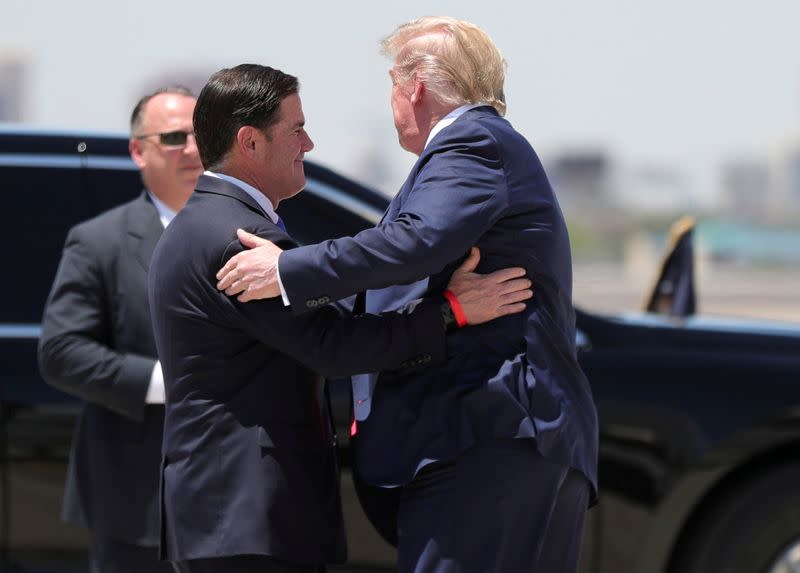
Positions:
(259, 197)
(450, 118)
(165, 214)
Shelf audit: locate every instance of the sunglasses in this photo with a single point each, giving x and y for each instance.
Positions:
(170, 138)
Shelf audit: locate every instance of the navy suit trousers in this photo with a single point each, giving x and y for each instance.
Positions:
(114, 556)
(243, 564)
(499, 507)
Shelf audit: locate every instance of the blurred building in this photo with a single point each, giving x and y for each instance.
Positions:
(746, 188)
(193, 79)
(372, 163)
(13, 72)
(588, 182)
(582, 179)
(657, 188)
(784, 204)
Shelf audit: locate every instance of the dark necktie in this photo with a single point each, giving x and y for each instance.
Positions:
(280, 225)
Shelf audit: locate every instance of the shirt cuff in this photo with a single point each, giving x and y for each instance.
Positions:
(155, 392)
(284, 296)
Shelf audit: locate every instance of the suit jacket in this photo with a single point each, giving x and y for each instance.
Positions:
(478, 182)
(97, 344)
(248, 466)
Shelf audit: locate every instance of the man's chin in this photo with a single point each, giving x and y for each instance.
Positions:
(298, 188)
(189, 177)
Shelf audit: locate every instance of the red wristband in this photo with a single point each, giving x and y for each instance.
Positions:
(455, 306)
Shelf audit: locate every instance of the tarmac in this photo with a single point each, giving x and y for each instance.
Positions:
(725, 290)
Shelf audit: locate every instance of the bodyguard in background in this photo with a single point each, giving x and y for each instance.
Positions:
(97, 344)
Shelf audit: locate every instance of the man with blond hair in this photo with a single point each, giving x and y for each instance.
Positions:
(249, 470)
(497, 449)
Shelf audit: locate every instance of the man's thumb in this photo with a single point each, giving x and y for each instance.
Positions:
(249, 240)
(471, 262)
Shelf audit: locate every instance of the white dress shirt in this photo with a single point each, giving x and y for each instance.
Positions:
(259, 197)
(155, 390)
(450, 118)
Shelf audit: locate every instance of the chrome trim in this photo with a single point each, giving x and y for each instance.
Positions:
(582, 342)
(788, 561)
(40, 160)
(332, 194)
(103, 162)
(25, 129)
(29, 331)
(630, 433)
(66, 161)
(710, 322)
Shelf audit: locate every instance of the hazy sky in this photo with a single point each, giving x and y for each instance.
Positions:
(686, 84)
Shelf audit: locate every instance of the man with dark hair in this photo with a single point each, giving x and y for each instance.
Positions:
(497, 449)
(249, 472)
(97, 343)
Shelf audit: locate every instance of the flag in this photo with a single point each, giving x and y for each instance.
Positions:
(673, 293)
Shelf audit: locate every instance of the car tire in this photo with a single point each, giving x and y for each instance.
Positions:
(752, 529)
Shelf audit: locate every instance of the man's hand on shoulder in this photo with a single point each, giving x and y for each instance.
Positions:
(254, 272)
(482, 298)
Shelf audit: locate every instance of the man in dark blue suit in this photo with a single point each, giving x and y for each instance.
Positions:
(249, 477)
(497, 448)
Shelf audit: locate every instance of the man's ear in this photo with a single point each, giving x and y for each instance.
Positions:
(246, 139)
(135, 150)
(418, 93)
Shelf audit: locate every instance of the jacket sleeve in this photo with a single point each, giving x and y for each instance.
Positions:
(457, 195)
(335, 343)
(75, 348)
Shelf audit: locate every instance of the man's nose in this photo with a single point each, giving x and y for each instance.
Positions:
(191, 145)
(309, 145)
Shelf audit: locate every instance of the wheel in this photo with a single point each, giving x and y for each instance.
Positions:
(753, 529)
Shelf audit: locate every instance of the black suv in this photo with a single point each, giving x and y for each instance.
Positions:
(699, 416)
(52, 181)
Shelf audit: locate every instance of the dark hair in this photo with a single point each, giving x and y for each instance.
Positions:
(136, 115)
(248, 94)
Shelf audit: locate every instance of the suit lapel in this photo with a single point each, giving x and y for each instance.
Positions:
(394, 297)
(144, 230)
(397, 202)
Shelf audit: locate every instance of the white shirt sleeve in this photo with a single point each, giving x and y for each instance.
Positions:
(284, 296)
(155, 392)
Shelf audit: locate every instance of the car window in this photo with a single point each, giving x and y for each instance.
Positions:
(310, 218)
(110, 186)
(44, 198)
(41, 204)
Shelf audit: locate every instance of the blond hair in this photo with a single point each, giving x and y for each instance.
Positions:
(456, 60)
